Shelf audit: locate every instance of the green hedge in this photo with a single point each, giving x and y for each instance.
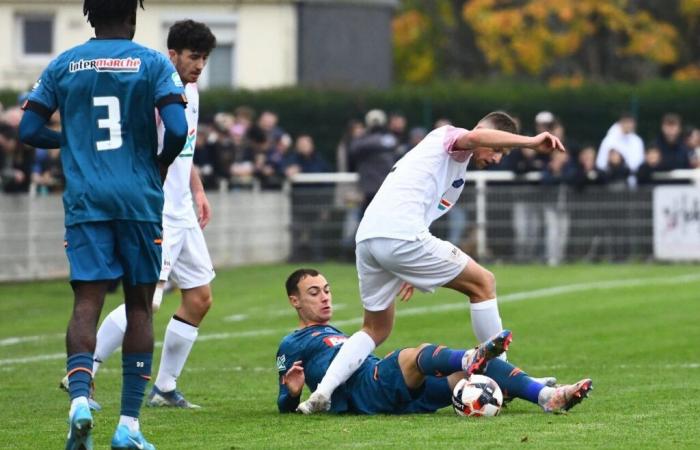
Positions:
(587, 111)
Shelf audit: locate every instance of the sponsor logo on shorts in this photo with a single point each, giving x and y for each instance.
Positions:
(106, 65)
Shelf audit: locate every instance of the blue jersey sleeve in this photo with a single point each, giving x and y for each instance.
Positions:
(43, 99)
(168, 87)
(286, 356)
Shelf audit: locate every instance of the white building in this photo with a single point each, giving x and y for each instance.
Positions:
(260, 43)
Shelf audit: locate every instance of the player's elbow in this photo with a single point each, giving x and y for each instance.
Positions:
(26, 131)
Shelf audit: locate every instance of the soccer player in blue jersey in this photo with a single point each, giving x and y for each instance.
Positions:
(106, 90)
(409, 380)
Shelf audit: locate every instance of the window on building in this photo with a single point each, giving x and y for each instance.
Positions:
(37, 37)
(220, 66)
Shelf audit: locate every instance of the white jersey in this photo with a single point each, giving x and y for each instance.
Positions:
(178, 210)
(420, 188)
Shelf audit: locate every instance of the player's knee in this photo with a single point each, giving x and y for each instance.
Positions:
(486, 286)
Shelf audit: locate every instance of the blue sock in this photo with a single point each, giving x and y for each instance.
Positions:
(438, 361)
(79, 369)
(513, 381)
(136, 372)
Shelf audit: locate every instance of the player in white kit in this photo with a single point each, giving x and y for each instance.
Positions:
(186, 259)
(396, 252)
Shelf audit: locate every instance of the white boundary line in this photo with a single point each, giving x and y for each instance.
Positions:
(410, 311)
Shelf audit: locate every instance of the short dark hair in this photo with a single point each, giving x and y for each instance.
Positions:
(109, 11)
(293, 280)
(500, 120)
(191, 35)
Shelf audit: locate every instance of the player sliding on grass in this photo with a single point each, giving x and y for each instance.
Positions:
(185, 255)
(395, 250)
(106, 90)
(409, 380)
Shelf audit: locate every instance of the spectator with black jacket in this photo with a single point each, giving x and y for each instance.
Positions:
(674, 153)
(373, 155)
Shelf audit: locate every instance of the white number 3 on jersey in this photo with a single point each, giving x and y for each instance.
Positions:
(112, 123)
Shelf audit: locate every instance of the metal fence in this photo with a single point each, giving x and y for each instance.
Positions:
(314, 217)
(500, 216)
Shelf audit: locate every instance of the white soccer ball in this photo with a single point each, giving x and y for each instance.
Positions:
(477, 396)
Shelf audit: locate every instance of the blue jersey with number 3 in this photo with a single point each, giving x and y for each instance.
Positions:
(106, 91)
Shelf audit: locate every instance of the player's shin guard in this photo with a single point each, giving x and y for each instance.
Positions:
(513, 381)
(179, 339)
(136, 372)
(110, 335)
(79, 369)
(486, 320)
(437, 360)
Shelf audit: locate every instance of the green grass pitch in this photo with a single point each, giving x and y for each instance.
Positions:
(634, 329)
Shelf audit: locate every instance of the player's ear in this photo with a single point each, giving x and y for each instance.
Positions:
(294, 301)
(172, 54)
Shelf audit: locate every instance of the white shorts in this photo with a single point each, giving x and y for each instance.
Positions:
(186, 258)
(383, 264)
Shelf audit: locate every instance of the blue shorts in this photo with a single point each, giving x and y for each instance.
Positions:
(111, 249)
(380, 389)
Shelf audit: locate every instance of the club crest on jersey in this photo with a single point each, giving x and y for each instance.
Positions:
(176, 79)
(106, 65)
(457, 183)
(281, 362)
(444, 204)
(334, 341)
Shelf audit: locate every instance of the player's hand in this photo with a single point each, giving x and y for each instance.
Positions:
(294, 379)
(547, 143)
(203, 209)
(406, 292)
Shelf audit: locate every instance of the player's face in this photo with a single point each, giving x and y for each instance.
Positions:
(189, 64)
(484, 157)
(314, 302)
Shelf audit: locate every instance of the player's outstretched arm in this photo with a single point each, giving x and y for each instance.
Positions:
(33, 131)
(502, 140)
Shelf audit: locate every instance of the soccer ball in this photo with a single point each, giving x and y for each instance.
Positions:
(477, 396)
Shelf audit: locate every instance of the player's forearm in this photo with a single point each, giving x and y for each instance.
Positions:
(287, 403)
(33, 131)
(173, 116)
(196, 185)
(496, 139)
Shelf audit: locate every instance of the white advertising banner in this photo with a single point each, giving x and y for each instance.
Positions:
(677, 223)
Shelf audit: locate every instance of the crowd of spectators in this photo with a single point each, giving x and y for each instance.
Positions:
(242, 149)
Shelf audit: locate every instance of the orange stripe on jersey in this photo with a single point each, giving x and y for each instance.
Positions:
(146, 377)
(514, 372)
(158, 241)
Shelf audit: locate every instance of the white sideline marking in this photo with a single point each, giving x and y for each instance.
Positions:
(22, 339)
(235, 318)
(410, 311)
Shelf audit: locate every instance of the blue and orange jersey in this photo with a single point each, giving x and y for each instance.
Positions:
(106, 90)
(315, 346)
